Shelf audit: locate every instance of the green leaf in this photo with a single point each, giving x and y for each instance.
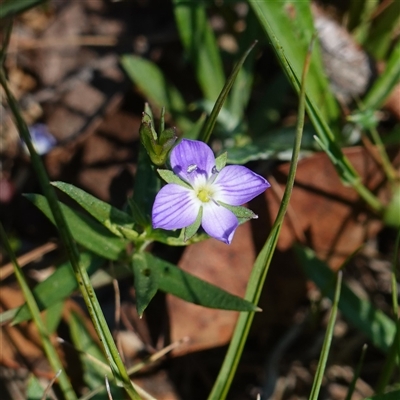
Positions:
(87, 232)
(200, 44)
(294, 35)
(10, 8)
(170, 177)
(379, 328)
(391, 216)
(116, 221)
(53, 316)
(151, 81)
(146, 282)
(191, 230)
(173, 280)
(58, 286)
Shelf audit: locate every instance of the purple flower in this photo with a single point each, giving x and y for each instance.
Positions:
(204, 192)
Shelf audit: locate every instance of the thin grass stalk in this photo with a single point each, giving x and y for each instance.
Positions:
(393, 357)
(261, 266)
(49, 349)
(327, 341)
(81, 275)
(357, 372)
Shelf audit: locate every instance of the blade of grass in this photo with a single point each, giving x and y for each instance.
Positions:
(394, 354)
(360, 33)
(212, 119)
(261, 266)
(51, 352)
(327, 341)
(357, 372)
(385, 83)
(82, 277)
(382, 30)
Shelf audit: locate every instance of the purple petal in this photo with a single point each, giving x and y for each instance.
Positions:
(175, 207)
(219, 222)
(192, 160)
(237, 185)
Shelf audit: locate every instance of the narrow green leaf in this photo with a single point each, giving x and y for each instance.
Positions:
(53, 316)
(382, 31)
(116, 221)
(87, 232)
(170, 177)
(294, 35)
(151, 81)
(10, 8)
(146, 281)
(379, 328)
(386, 82)
(200, 44)
(58, 286)
(174, 280)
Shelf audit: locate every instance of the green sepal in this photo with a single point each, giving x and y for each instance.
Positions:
(243, 214)
(220, 161)
(170, 177)
(191, 230)
(157, 147)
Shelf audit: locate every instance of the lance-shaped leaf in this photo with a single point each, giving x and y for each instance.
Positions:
(116, 221)
(169, 278)
(86, 231)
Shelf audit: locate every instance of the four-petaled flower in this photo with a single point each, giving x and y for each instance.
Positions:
(204, 190)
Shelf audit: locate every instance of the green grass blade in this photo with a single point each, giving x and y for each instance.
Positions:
(261, 266)
(382, 29)
(327, 341)
(294, 34)
(379, 328)
(357, 372)
(81, 275)
(199, 42)
(51, 352)
(360, 32)
(212, 119)
(10, 8)
(383, 86)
